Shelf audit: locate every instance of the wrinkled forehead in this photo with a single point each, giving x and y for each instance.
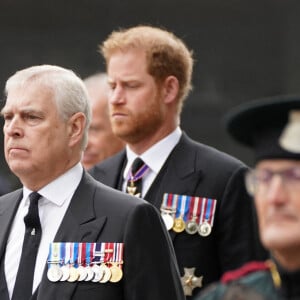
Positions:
(29, 96)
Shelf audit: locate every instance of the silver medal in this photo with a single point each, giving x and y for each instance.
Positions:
(204, 229)
(168, 220)
(54, 273)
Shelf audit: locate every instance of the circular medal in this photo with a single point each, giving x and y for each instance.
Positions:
(179, 225)
(98, 273)
(116, 273)
(65, 269)
(90, 273)
(168, 220)
(107, 273)
(54, 273)
(191, 227)
(82, 273)
(204, 229)
(74, 275)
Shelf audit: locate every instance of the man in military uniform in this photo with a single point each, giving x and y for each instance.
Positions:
(271, 127)
(198, 189)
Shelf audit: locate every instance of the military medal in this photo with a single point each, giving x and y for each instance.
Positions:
(65, 259)
(103, 267)
(90, 274)
(74, 275)
(204, 229)
(81, 261)
(117, 260)
(181, 213)
(106, 273)
(179, 224)
(65, 270)
(191, 226)
(54, 273)
(168, 210)
(168, 220)
(207, 216)
(116, 273)
(99, 273)
(88, 268)
(132, 178)
(189, 281)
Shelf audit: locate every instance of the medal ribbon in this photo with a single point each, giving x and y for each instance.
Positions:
(92, 252)
(182, 206)
(88, 253)
(139, 173)
(118, 254)
(98, 253)
(208, 207)
(194, 209)
(67, 258)
(54, 254)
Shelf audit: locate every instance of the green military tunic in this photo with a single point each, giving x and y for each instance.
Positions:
(255, 281)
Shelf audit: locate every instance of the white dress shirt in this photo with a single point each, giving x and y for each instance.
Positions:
(154, 158)
(56, 197)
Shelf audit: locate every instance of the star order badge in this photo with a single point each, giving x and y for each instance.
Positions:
(189, 281)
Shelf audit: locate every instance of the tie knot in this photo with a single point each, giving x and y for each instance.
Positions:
(136, 165)
(34, 197)
(32, 219)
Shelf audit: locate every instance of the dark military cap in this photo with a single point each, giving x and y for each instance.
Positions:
(271, 126)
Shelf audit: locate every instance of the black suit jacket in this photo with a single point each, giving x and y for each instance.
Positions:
(195, 169)
(98, 213)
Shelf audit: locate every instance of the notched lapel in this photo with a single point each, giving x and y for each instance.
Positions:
(80, 224)
(8, 210)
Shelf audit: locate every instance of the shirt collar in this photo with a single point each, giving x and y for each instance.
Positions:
(155, 156)
(61, 188)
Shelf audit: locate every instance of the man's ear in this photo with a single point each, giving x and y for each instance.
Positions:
(170, 89)
(76, 128)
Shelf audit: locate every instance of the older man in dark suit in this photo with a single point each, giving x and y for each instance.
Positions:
(82, 240)
(198, 189)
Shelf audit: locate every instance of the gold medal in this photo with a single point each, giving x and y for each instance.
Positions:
(54, 273)
(74, 275)
(107, 273)
(116, 273)
(179, 225)
(204, 229)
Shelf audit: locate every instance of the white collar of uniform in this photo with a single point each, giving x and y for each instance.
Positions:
(156, 155)
(61, 188)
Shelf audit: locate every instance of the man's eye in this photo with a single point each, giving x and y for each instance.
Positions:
(293, 173)
(7, 117)
(264, 176)
(31, 117)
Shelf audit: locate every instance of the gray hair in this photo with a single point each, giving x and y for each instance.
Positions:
(70, 94)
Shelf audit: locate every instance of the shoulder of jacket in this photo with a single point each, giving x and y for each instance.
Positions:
(252, 268)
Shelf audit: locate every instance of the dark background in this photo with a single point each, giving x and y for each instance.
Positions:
(243, 49)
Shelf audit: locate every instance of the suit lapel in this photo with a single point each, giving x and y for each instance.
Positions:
(110, 171)
(8, 210)
(179, 175)
(79, 225)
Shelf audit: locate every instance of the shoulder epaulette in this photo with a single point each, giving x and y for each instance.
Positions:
(246, 269)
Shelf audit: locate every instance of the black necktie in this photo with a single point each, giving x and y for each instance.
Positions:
(32, 238)
(134, 183)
